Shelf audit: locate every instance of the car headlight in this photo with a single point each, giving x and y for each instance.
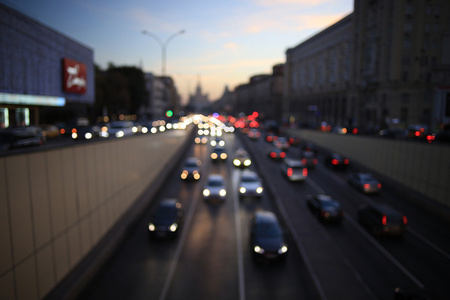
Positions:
(206, 192)
(173, 227)
(197, 140)
(119, 134)
(259, 190)
(258, 249)
(214, 155)
(242, 190)
(247, 162)
(74, 135)
(197, 176)
(222, 143)
(283, 249)
(151, 227)
(184, 174)
(153, 130)
(237, 162)
(144, 129)
(134, 129)
(213, 143)
(88, 136)
(162, 128)
(222, 192)
(223, 155)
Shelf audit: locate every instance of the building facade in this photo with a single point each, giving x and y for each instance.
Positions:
(162, 96)
(42, 72)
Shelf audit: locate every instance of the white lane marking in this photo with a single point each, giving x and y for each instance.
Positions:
(185, 232)
(239, 249)
(371, 238)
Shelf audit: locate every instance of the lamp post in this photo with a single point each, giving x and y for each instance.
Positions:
(163, 46)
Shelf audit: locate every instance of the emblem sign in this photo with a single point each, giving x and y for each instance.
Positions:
(74, 76)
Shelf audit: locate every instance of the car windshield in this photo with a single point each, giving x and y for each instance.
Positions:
(268, 229)
(327, 204)
(215, 182)
(191, 164)
(248, 179)
(165, 212)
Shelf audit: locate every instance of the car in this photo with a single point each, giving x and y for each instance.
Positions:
(294, 140)
(271, 137)
(120, 129)
(217, 142)
(17, 137)
(294, 169)
(309, 159)
(382, 219)
(365, 182)
(241, 158)
(307, 146)
(337, 161)
(203, 140)
(218, 153)
(191, 169)
(250, 185)
(167, 219)
(276, 154)
(266, 237)
(215, 188)
(282, 143)
(88, 132)
(50, 131)
(325, 208)
(254, 134)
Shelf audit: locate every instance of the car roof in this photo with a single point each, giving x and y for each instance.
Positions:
(385, 209)
(293, 162)
(215, 177)
(168, 202)
(265, 217)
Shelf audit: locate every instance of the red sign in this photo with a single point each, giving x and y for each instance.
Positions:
(74, 76)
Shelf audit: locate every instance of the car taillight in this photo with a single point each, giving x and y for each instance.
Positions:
(283, 154)
(334, 161)
(305, 172)
(273, 154)
(304, 161)
(62, 131)
(269, 138)
(384, 220)
(291, 140)
(346, 161)
(405, 220)
(379, 185)
(366, 186)
(289, 172)
(74, 130)
(315, 161)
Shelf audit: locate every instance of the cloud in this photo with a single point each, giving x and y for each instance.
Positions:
(290, 2)
(231, 46)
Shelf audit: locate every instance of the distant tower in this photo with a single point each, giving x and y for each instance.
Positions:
(198, 99)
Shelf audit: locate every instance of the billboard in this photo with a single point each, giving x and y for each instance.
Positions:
(74, 76)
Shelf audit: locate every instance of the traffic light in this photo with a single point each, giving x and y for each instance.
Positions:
(169, 113)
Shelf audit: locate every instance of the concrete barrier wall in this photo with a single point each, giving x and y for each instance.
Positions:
(423, 167)
(56, 205)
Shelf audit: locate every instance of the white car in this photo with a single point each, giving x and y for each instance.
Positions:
(250, 185)
(215, 188)
(294, 169)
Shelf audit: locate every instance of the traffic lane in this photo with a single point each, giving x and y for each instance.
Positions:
(424, 266)
(335, 277)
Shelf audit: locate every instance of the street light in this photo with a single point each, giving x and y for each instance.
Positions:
(163, 46)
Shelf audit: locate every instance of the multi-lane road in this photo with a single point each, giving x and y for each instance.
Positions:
(211, 257)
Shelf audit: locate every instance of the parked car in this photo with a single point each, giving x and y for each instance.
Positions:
(218, 153)
(294, 169)
(241, 158)
(309, 159)
(382, 219)
(336, 161)
(325, 208)
(191, 169)
(276, 154)
(215, 188)
(250, 185)
(167, 219)
(365, 182)
(21, 137)
(266, 237)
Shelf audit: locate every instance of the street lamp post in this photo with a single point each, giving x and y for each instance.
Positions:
(163, 46)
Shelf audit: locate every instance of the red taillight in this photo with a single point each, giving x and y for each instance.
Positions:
(405, 220)
(282, 154)
(269, 138)
(334, 161)
(366, 186)
(315, 161)
(275, 138)
(304, 161)
(305, 172)
(74, 130)
(289, 172)
(273, 154)
(384, 220)
(346, 161)
(417, 133)
(291, 140)
(62, 131)
(258, 134)
(379, 185)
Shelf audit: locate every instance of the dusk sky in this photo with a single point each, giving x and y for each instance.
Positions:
(225, 42)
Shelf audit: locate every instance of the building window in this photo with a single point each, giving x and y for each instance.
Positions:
(4, 117)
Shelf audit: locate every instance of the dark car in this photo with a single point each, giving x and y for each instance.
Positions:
(167, 219)
(365, 182)
(276, 154)
(310, 147)
(266, 237)
(325, 207)
(88, 132)
(382, 219)
(21, 137)
(336, 161)
(309, 159)
(218, 153)
(191, 169)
